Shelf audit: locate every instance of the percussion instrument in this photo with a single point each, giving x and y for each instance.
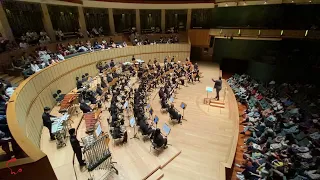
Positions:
(59, 129)
(91, 119)
(97, 154)
(68, 101)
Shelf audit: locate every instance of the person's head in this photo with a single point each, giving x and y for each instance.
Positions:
(46, 109)
(34, 62)
(157, 132)
(83, 76)
(77, 78)
(219, 78)
(72, 131)
(172, 105)
(87, 74)
(98, 85)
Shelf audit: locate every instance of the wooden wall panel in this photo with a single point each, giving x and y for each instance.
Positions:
(199, 37)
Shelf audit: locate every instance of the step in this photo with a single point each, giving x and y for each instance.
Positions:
(216, 105)
(217, 102)
(9, 78)
(156, 175)
(4, 75)
(17, 80)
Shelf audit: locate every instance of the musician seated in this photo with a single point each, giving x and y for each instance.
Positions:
(158, 139)
(117, 134)
(91, 97)
(164, 104)
(99, 90)
(79, 83)
(84, 107)
(145, 128)
(174, 114)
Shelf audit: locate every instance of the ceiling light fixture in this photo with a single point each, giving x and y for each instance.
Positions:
(226, 4)
(265, 2)
(292, 1)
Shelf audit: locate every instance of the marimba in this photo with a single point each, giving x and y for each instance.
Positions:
(91, 119)
(68, 101)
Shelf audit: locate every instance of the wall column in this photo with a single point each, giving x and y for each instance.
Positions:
(5, 29)
(188, 19)
(138, 23)
(82, 22)
(163, 20)
(111, 22)
(47, 24)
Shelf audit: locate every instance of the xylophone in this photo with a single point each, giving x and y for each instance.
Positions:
(68, 101)
(91, 119)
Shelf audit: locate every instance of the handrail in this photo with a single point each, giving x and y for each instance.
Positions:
(26, 104)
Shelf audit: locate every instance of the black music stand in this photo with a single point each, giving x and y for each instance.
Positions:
(183, 106)
(133, 124)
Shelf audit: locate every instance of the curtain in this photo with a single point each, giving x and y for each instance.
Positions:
(23, 17)
(124, 19)
(202, 18)
(64, 18)
(150, 18)
(176, 18)
(96, 18)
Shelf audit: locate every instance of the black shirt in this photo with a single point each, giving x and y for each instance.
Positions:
(46, 119)
(85, 108)
(75, 143)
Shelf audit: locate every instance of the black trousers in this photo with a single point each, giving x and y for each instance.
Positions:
(217, 92)
(49, 128)
(79, 156)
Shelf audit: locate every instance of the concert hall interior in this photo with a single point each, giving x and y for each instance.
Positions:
(159, 89)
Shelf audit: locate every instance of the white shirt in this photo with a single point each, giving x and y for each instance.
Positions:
(60, 57)
(35, 68)
(23, 45)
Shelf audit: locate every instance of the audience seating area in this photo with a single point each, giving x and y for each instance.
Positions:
(281, 129)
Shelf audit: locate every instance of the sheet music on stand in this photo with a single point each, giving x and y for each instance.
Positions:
(166, 129)
(98, 130)
(171, 99)
(156, 119)
(132, 122)
(125, 106)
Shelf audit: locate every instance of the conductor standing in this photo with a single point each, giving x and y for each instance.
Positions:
(217, 86)
(76, 146)
(47, 121)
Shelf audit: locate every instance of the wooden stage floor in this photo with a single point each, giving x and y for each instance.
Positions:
(198, 147)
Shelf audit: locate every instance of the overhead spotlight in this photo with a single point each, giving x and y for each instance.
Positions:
(310, 1)
(306, 33)
(292, 1)
(265, 2)
(244, 3)
(226, 4)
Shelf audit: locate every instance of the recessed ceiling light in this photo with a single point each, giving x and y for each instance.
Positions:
(292, 1)
(226, 4)
(265, 2)
(310, 1)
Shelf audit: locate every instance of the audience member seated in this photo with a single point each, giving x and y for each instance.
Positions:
(284, 136)
(23, 45)
(71, 48)
(34, 67)
(59, 35)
